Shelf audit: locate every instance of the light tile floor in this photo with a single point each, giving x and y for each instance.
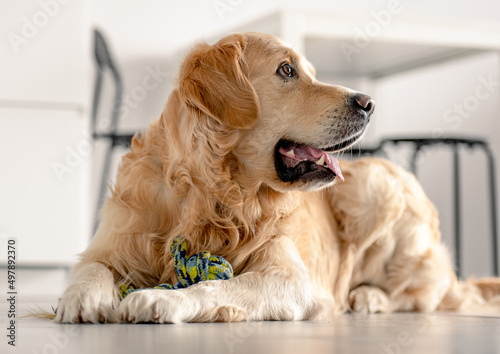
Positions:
(345, 334)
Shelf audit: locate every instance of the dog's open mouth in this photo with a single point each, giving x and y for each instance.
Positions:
(295, 161)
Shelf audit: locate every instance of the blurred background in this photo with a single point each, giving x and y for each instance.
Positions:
(431, 66)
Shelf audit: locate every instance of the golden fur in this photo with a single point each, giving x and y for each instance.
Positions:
(205, 170)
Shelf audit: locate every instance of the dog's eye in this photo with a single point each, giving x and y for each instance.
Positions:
(286, 71)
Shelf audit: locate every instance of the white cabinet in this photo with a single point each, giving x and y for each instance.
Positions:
(45, 149)
(45, 183)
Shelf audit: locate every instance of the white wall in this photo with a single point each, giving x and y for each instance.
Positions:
(151, 28)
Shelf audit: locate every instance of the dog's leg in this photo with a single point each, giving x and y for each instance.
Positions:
(252, 296)
(369, 299)
(279, 291)
(92, 297)
(346, 266)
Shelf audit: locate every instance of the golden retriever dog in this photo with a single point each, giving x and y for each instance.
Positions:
(240, 164)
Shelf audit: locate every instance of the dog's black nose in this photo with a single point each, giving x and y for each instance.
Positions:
(364, 103)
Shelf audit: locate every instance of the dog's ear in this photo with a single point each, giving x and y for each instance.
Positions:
(214, 80)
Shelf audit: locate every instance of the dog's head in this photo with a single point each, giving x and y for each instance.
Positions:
(287, 123)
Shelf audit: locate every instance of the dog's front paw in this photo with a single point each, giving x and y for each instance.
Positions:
(369, 299)
(87, 302)
(160, 306)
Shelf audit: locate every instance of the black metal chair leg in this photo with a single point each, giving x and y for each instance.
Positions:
(413, 162)
(493, 207)
(96, 99)
(457, 208)
(104, 184)
(104, 61)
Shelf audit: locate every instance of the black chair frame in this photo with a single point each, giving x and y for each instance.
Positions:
(105, 62)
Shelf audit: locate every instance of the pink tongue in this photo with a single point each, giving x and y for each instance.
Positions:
(333, 164)
(303, 153)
